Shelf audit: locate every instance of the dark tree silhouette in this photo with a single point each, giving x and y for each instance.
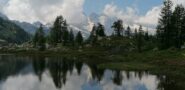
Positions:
(93, 37)
(118, 27)
(65, 33)
(56, 31)
(79, 38)
(128, 32)
(140, 39)
(100, 30)
(177, 23)
(39, 38)
(71, 37)
(164, 25)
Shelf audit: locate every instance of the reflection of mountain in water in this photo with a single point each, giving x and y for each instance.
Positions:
(66, 73)
(11, 65)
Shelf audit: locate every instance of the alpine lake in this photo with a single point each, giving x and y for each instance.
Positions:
(62, 73)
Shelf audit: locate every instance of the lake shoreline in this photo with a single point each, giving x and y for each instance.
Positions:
(166, 62)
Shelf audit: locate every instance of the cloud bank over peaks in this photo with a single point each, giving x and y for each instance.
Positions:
(45, 10)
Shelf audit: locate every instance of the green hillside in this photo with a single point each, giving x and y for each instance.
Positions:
(12, 33)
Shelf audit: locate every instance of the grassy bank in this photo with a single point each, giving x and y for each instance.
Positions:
(170, 63)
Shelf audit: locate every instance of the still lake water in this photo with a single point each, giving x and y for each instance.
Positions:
(57, 73)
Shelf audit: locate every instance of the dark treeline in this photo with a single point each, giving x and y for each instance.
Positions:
(59, 33)
(170, 32)
(171, 26)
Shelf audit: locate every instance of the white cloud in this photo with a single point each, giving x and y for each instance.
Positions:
(127, 15)
(151, 17)
(130, 17)
(45, 10)
(175, 2)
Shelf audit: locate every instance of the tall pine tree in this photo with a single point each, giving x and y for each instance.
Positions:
(177, 26)
(65, 33)
(140, 39)
(128, 32)
(93, 37)
(79, 38)
(56, 31)
(100, 30)
(39, 38)
(118, 27)
(71, 37)
(164, 25)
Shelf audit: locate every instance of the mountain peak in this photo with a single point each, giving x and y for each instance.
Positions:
(37, 23)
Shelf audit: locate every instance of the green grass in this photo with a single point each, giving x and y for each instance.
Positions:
(127, 66)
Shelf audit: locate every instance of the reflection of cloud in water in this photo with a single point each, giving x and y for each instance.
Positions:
(147, 82)
(83, 82)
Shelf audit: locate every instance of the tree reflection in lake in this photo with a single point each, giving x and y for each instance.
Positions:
(53, 73)
(39, 66)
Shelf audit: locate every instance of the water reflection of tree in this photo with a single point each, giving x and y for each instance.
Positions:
(95, 72)
(10, 65)
(39, 66)
(59, 68)
(167, 83)
(117, 79)
(78, 66)
(55, 68)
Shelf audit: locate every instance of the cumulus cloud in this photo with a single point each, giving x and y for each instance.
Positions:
(131, 17)
(127, 15)
(45, 10)
(175, 2)
(151, 17)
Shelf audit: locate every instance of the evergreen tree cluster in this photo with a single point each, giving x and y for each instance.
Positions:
(171, 26)
(59, 33)
(118, 28)
(39, 38)
(97, 31)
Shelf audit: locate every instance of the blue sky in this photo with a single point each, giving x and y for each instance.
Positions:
(143, 6)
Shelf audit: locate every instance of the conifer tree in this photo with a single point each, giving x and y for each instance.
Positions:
(79, 38)
(93, 37)
(177, 23)
(164, 25)
(140, 40)
(146, 36)
(128, 31)
(71, 37)
(39, 38)
(65, 33)
(183, 30)
(56, 31)
(100, 30)
(135, 33)
(118, 27)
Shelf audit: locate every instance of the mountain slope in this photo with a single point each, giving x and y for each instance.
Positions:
(3, 16)
(12, 33)
(29, 28)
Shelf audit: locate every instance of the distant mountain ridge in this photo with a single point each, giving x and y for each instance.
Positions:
(31, 28)
(85, 29)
